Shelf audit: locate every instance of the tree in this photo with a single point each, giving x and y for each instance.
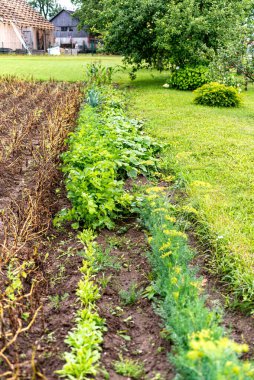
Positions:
(237, 57)
(192, 31)
(158, 32)
(127, 27)
(47, 8)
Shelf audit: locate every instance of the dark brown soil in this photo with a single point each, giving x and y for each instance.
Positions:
(134, 331)
(59, 300)
(35, 119)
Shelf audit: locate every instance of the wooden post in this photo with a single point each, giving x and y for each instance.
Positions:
(18, 34)
(45, 41)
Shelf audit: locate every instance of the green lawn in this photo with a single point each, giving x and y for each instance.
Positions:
(63, 68)
(66, 68)
(210, 150)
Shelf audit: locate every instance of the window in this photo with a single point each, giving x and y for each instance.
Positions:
(70, 29)
(64, 28)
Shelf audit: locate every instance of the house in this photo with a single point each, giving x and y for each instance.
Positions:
(21, 27)
(68, 35)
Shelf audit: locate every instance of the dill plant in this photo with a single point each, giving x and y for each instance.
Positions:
(202, 351)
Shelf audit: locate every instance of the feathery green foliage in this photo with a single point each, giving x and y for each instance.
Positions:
(201, 349)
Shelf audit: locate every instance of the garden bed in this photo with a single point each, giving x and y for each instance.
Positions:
(78, 306)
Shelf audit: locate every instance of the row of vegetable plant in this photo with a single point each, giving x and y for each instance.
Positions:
(85, 339)
(105, 149)
(201, 348)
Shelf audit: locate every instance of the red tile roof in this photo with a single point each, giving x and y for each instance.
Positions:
(22, 14)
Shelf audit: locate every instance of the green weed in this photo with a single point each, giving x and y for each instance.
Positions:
(129, 368)
(99, 74)
(57, 300)
(104, 280)
(131, 295)
(117, 241)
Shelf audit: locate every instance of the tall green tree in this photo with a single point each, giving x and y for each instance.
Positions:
(192, 31)
(237, 56)
(157, 32)
(47, 8)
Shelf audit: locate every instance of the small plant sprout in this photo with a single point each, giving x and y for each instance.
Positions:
(129, 368)
(57, 300)
(131, 295)
(104, 281)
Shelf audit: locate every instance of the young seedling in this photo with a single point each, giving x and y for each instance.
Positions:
(158, 377)
(117, 241)
(104, 281)
(130, 296)
(103, 260)
(57, 300)
(129, 368)
(123, 334)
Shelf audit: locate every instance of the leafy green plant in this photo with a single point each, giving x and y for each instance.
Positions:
(86, 338)
(103, 260)
(57, 299)
(217, 95)
(117, 241)
(106, 148)
(93, 97)
(104, 280)
(129, 368)
(98, 74)
(131, 295)
(189, 78)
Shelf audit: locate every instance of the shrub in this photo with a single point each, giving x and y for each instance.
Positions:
(217, 95)
(189, 78)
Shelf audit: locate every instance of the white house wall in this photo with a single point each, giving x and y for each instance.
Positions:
(8, 38)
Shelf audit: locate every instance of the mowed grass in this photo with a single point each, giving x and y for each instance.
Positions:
(211, 151)
(67, 68)
(62, 68)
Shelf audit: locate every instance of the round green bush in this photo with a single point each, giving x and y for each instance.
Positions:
(217, 95)
(189, 78)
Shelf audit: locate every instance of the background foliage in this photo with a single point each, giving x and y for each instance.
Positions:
(158, 32)
(48, 8)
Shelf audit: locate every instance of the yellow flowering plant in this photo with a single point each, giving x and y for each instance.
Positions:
(202, 350)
